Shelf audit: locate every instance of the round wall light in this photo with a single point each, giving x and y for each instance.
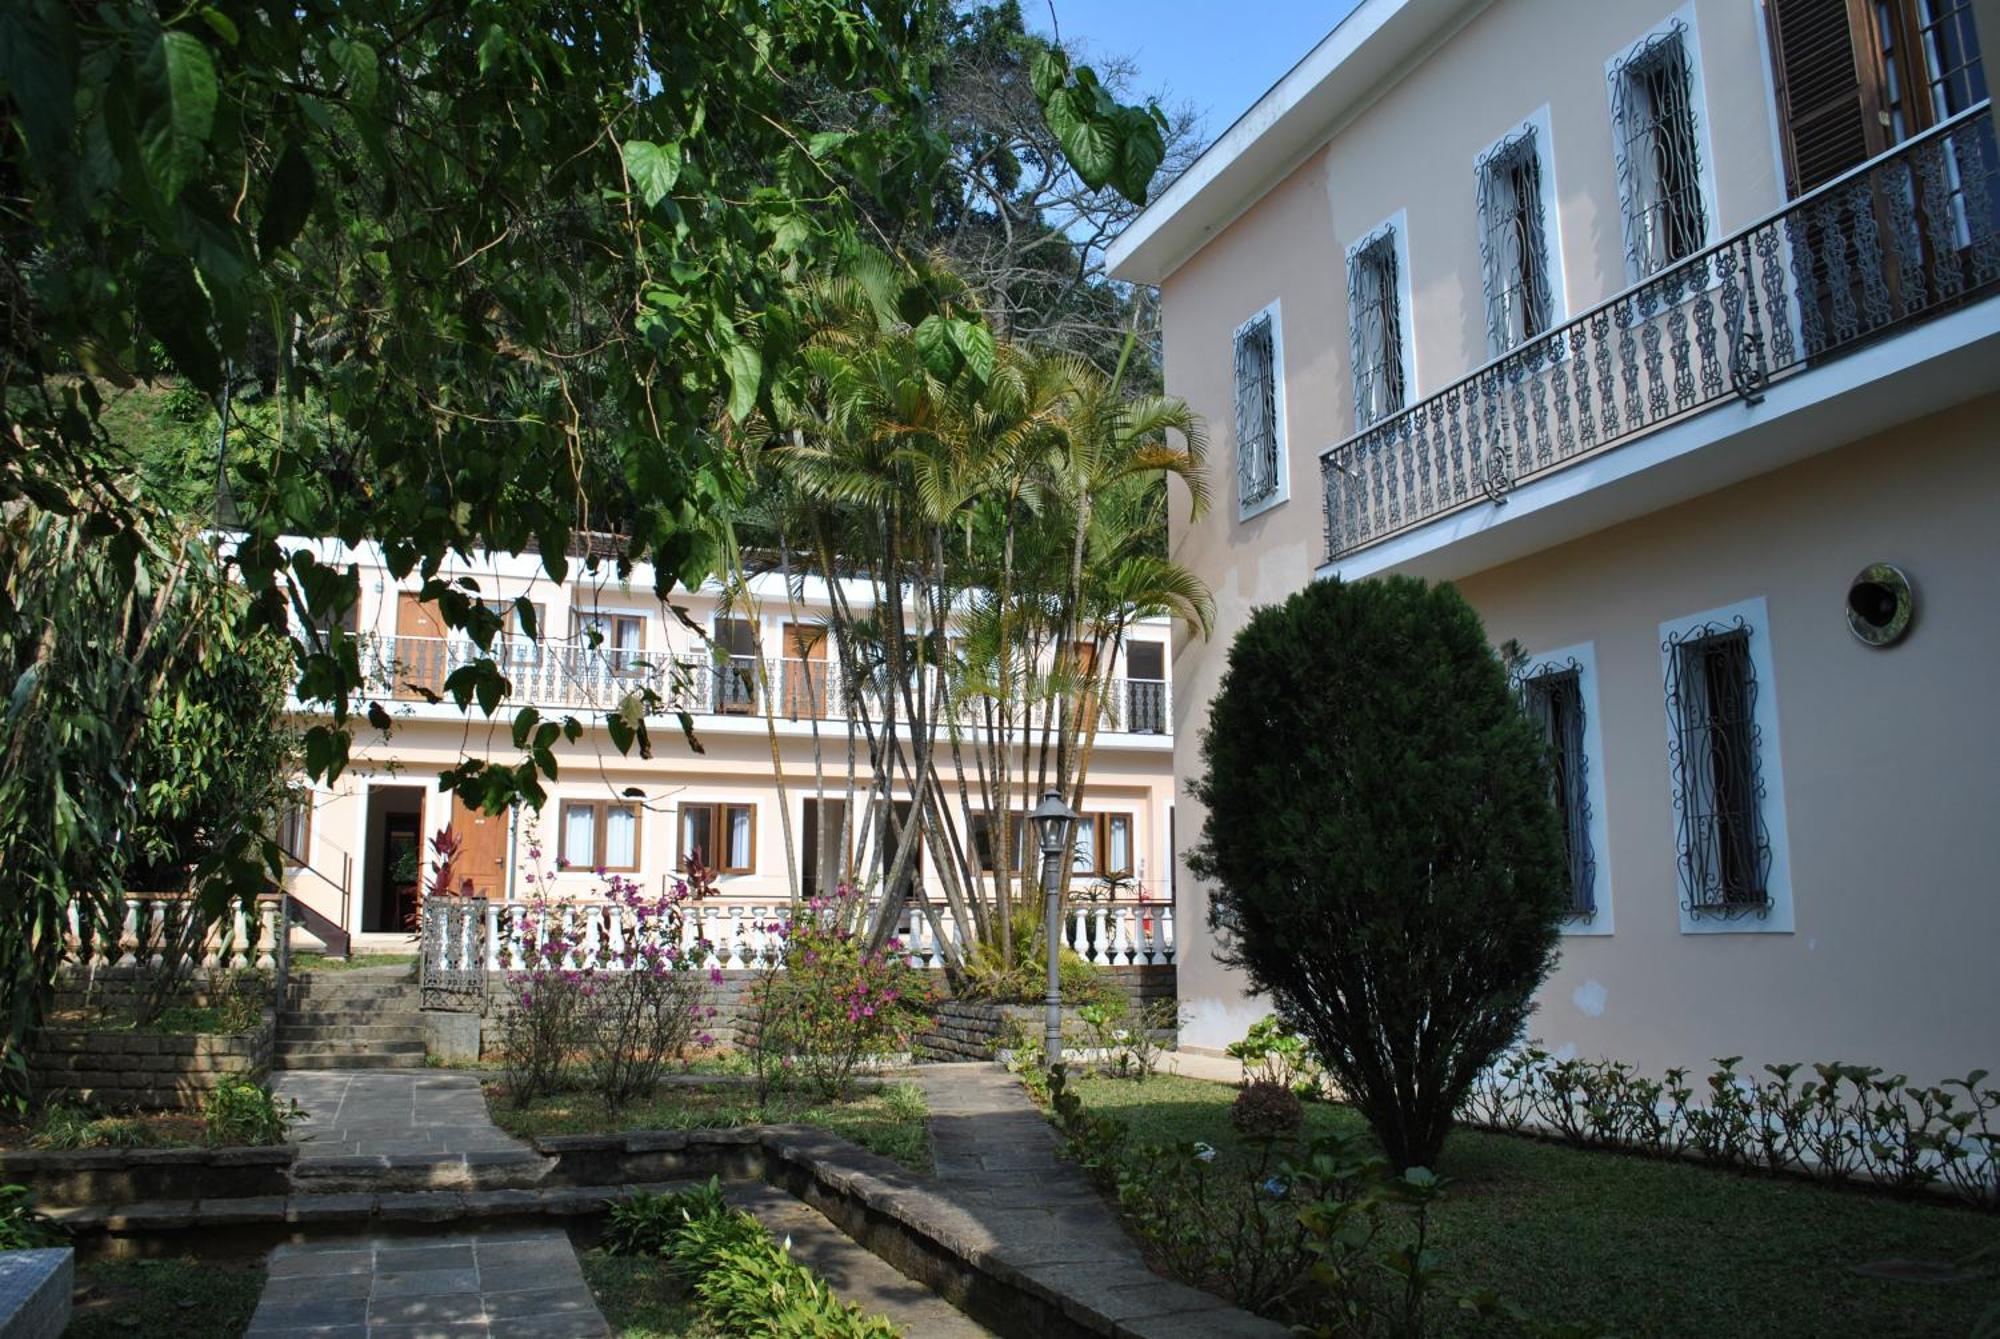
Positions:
(1880, 605)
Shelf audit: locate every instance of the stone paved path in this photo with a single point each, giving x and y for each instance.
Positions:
(996, 1158)
(499, 1285)
(375, 1113)
(503, 1285)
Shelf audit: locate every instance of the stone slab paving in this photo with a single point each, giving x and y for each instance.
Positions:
(997, 1161)
(383, 1113)
(855, 1273)
(506, 1285)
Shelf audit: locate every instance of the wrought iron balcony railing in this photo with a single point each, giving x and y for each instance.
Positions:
(1907, 236)
(414, 669)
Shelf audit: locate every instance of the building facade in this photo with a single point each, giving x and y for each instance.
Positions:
(1671, 333)
(762, 794)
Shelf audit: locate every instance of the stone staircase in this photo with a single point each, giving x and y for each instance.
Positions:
(366, 1018)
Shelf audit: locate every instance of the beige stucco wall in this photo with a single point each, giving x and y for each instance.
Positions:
(1889, 766)
(734, 767)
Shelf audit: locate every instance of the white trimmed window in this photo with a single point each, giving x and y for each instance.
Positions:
(1558, 691)
(1656, 132)
(1514, 246)
(1722, 752)
(1260, 419)
(1376, 280)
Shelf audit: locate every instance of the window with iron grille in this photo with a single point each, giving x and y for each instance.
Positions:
(1552, 696)
(1375, 327)
(1513, 242)
(1659, 159)
(1256, 412)
(1725, 848)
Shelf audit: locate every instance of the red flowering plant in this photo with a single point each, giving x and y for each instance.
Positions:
(824, 1004)
(620, 979)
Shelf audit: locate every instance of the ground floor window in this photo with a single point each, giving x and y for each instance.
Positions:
(599, 835)
(724, 836)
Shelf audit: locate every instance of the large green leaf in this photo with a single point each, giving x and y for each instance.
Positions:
(176, 313)
(654, 168)
(288, 201)
(746, 373)
(174, 135)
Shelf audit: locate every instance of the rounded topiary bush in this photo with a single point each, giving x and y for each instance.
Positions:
(1266, 1111)
(1383, 858)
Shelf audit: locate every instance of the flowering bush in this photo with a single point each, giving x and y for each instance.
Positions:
(825, 1003)
(628, 1002)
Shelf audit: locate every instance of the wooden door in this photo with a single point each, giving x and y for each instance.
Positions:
(481, 868)
(805, 670)
(421, 662)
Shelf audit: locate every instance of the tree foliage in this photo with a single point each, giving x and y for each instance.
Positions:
(143, 743)
(1005, 506)
(1383, 858)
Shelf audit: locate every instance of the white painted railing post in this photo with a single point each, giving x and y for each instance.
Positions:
(492, 919)
(1101, 941)
(1167, 933)
(267, 936)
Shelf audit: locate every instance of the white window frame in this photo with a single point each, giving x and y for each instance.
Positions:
(1397, 225)
(1585, 655)
(1704, 142)
(1552, 259)
(1778, 918)
(1282, 463)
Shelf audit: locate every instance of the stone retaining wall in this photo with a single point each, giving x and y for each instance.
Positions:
(145, 1071)
(104, 1176)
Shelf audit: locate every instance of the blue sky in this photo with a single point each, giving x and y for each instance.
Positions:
(1221, 55)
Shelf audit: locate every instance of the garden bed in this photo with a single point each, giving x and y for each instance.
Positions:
(888, 1119)
(1640, 1245)
(116, 1299)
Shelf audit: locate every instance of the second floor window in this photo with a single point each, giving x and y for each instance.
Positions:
(1256, 412)
(1375, 327)
(619, 638)
(1659, 159)
(1513, 241)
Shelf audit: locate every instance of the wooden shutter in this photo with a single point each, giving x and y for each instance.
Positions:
(1829, 88)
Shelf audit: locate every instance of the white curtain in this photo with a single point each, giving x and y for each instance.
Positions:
(739, 838)
(580, 836)
(621, 838)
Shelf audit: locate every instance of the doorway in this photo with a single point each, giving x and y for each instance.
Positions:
(393, 865)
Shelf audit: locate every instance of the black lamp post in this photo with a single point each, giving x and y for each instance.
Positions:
(1053, 820)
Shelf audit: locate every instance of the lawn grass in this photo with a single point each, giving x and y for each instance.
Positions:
(640, 1299)
(1644, 1247)
(169, 1299)
(889, 1119)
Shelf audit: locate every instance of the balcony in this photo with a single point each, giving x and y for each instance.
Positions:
(570, 676)
(1902, 240)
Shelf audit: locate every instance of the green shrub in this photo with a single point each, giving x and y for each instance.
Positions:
(21, 1227)
(66, 1127)
(743, 1282)
(1273, 1053)
(644, 1224)
(1385, 860)
(242, 1111)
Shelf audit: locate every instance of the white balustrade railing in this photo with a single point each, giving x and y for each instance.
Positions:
(563, 674)
(144, 923)
(607, 936)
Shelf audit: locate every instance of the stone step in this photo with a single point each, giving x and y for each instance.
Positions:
(350, 1018)
(350, 1046)
(349, 1032)
(495, 1168)
(406, 995)
(416, 1060)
